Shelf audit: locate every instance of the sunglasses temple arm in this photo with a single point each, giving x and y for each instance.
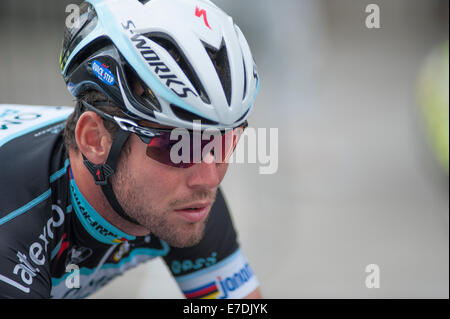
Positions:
(98, 112)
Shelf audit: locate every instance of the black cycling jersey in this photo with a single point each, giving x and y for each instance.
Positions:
(54, 244)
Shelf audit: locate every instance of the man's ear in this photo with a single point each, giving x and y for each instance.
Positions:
(93, 139)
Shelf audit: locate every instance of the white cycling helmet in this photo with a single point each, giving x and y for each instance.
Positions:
(164, 61)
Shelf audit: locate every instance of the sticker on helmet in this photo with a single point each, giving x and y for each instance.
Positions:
(199, 13)
(102, 72)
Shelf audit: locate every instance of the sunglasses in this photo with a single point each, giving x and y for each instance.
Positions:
(179, 147)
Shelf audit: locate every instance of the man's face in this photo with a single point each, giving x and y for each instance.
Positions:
(157, 195)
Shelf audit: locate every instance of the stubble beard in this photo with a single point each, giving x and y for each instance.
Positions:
(177, 233)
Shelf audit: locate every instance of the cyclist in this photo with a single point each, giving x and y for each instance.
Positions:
(87, 195)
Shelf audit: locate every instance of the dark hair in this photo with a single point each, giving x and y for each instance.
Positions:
(90, 97)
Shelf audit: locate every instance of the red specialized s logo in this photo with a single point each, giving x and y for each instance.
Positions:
(200, 13)
(64, 246)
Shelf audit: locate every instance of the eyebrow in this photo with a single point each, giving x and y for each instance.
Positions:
(157, 127)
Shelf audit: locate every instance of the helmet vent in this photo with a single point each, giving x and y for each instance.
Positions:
(87, 22)
(141, 92)
(189, 116)
(245, 80)
(220, 61)
(89, 50)
(172, 48)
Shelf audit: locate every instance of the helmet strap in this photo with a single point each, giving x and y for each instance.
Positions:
(102, 172)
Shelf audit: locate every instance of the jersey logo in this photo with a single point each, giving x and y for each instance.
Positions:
(142, 44)
(78, 254)
(63, 247)
(186, 265)
(238, 279)
(200, 13)
(28, 266)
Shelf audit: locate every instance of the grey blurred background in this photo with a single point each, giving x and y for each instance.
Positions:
(355, 184)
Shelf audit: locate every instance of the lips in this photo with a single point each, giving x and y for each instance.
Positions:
(195, 212)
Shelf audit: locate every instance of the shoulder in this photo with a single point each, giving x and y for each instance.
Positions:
(19, 121)
(28, 135)
(28, 138)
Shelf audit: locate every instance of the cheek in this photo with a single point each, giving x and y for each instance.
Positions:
(155, 180)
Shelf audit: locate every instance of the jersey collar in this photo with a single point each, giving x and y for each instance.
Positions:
(92, 221)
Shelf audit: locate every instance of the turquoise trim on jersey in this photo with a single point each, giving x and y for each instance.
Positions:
(33, 128)
(26, 207)
(93, 222)
(136, 252)
(61, 172)
(220, 264)
(37, 200)
(120, 39)
(56, 249)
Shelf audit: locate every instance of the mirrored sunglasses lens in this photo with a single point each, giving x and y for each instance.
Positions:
(159, 149)
(221, 146)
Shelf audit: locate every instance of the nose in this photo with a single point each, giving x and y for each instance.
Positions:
(204, 174)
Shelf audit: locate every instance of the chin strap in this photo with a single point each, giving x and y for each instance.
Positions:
(102, 172)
